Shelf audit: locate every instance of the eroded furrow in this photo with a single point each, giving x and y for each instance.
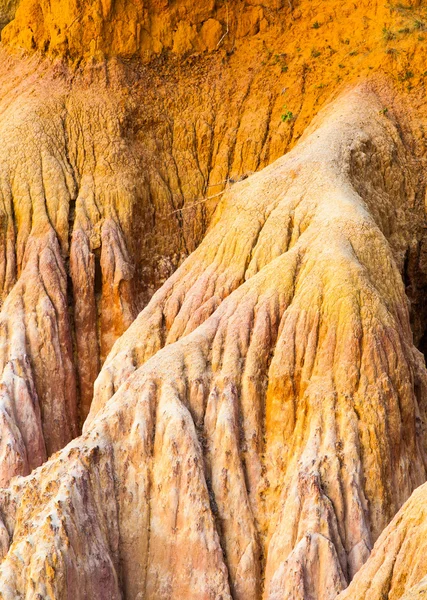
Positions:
(254, 430)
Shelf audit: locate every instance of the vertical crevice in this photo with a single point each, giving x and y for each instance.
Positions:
(415, 279)
(71, 306)
(97, 289)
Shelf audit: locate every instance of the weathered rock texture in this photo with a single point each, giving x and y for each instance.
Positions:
(262, 451)
(115, 154)
(256, 428)
(7, 11)
(397, 567)
(101, 201)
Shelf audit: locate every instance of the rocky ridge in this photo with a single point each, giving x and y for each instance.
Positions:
(257, 404)
(255, 429)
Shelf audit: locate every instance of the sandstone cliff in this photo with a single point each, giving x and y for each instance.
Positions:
(253, 431)
(264, 449)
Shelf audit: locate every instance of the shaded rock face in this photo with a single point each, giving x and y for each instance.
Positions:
(7, 11)
(64, 259)
(262, 420)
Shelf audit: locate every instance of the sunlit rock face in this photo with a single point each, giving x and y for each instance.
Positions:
(261, 421)
(397, 565)
(212, 281)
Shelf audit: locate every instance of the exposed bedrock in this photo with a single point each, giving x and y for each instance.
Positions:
(263, 419)
(121, 125)
(397, 567)
(103, 194)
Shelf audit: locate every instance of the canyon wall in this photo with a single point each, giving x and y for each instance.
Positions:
(213, 262)
(262, 451)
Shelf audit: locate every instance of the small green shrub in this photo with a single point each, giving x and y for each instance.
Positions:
(288, 115)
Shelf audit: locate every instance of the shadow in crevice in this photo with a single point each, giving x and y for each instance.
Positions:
(415, 280)
(98, 273)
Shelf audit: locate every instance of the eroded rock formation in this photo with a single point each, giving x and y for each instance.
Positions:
(253, 431)
(262, 451)
(397, 565)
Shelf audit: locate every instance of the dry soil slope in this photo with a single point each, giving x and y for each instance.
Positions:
(263, 450)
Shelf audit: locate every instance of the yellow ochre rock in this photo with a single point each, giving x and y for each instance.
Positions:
(213, 274)
(262, 451)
